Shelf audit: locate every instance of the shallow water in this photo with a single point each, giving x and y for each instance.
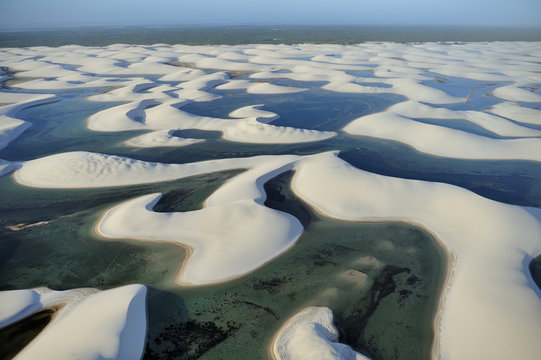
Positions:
(46, 235)
(55, 254)
(61, 126)
(405, 264)
(212, 321)
(315, 109)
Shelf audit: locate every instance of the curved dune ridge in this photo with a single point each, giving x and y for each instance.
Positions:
(244, 234)
(311, 334)
(82, 169)
(516, 112)
(397, 123)
(259, 88)
(160, 138)
(490, 309)
(137, 116)
(88, 324)
(254, 111)
(488, 241)
(10, 126)
(192, 73)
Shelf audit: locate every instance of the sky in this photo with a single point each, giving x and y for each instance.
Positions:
(32, 14)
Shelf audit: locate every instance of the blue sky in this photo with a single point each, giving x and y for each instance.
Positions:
(60, 13)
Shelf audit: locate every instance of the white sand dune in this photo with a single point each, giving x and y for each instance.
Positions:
(69, 81)
(254, 111)
(160, 138)
(90, 170)
(17, 304)
(206, 81)
(183, 74)
(515, 93)
(267, 88)
(229, 61)
(406, 87)
(82, 169)
(489, 242)
(245, 234)
(518, 113)
(311, 334)
(196, 95)
(137, 115)
(10, 126)
(418, 92)
(259, 88)
(235, 85)
(122, 117)
(89, 324)
(438, 140)
(495, 124)
(43, 70)
(131, 90)
(402, 66)
(10, 129)
(252, 131)
(491, 309)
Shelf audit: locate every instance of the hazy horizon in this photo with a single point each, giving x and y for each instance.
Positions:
(51, 14)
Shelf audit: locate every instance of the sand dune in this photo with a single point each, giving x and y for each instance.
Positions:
(490, 308)
(311, 334)
(88, 323)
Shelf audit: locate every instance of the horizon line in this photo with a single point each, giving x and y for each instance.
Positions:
(290, 25)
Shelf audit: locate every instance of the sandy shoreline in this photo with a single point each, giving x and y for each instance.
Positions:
(445, 287)
(189, 251)
(447, 276)
(440, 308)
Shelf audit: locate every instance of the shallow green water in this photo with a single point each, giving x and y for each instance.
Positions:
(216, 322)
(47, 236)
(390, 317)
(56, 254)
